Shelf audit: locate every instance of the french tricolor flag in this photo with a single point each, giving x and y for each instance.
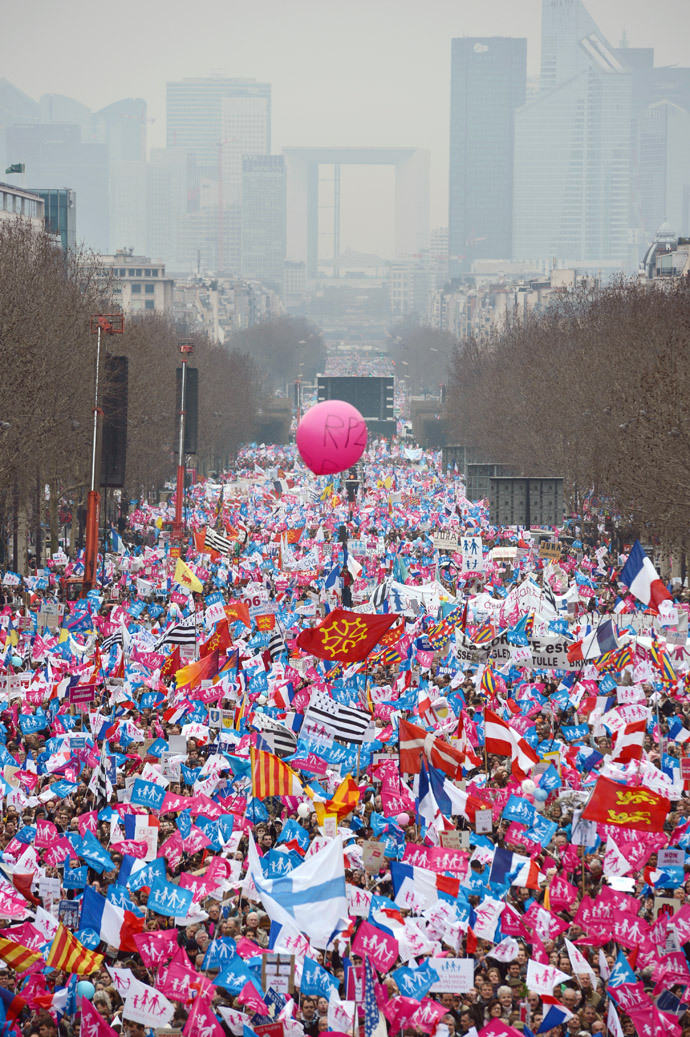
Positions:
(115, 925)
(641, 577)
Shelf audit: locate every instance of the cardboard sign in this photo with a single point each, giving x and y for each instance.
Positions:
(373, 856)
(451, 840)
(483, 822)
(552, 551)
(444, 540)
(278, 972)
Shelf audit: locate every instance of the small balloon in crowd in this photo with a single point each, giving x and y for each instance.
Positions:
(528, 786)
(304, 810)
(331, 437)
(85, 988)
(403, 820)
(541, 795)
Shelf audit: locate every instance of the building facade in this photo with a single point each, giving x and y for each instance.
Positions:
(16, 202)
(572, 177)
(139, 283)
(488, 82)
(264, 216)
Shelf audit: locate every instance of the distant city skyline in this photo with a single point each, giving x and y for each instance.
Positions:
(339, 74)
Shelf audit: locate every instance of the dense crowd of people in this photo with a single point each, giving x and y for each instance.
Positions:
(345, 760)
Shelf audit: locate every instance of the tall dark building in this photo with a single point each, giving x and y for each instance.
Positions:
(488, 82)
(264, 214)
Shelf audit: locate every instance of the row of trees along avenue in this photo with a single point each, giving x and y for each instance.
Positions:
(46, 392)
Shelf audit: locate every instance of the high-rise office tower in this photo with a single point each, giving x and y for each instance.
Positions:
(572, 149)
(218, 120)
(57, 156)
(488, 80)
(264, 218)
(195, 117)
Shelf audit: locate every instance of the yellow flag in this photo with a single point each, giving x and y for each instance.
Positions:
(186, 578)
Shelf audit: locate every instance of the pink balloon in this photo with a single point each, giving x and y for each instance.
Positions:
(403, 820)
(331, 437)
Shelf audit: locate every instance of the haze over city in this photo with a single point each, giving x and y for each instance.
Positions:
(356, 73)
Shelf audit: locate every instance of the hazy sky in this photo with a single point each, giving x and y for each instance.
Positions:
(344, 72)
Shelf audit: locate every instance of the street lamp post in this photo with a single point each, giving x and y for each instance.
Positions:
(185, 352)
(101, 324)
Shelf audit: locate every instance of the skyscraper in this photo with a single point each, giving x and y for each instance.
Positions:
(572, 148)
(488, 81)
(218, 120)
(195, 113)
(264, 218)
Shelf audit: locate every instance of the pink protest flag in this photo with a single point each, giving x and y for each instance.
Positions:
(376, 944)
(46, 833)
(249, 996)
(156, 948)
(202, 1020)
(428, 1015)
(92, 1022)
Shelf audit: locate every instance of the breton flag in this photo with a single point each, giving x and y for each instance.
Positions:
(501, 739)
(347, 723)
(120, 637)
(641, 577)
(215, 541)
(311, 897)
(178, 634)
(115, 926)
(69, 955)
(99, 785)
(272, 777)
(279, 737)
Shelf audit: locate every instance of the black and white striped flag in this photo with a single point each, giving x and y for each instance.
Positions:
(380, 594)
(178, 634)
(347, 723)
(215, 541)
(100, 785)
(276, 645)
(114, 639)
(280, 738)
(549, 597)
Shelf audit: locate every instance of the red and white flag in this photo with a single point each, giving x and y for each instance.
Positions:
(501, 739)
(628, 744)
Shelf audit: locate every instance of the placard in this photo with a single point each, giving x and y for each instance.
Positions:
(552, 551)
(445, 540)
(82, 694)
(278, 972)
(450, 840)
(685, 768)
(455, 975)
(373, 856)
(483, 822)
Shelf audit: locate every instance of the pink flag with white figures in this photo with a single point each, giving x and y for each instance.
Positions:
(372, 942)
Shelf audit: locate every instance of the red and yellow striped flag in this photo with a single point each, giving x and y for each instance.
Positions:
(17, 956)
(69, 955)
(272, 777)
